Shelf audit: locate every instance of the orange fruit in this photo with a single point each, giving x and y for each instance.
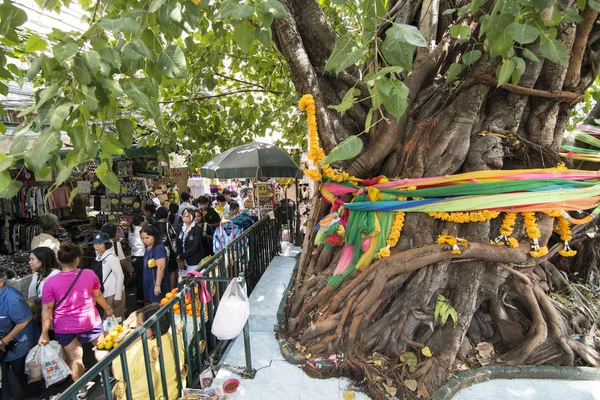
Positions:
(188, 307)
(108, 345)
(100, 346)
(175, 291)
(176, 306)
(189, 312)
(187, 301)
(163, 301)
(169, 296)
(177, 312)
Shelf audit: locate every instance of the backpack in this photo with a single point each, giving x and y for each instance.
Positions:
(98, 268)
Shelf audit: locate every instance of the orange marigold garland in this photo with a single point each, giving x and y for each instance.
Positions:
(563, 229)
(315, 152)
(465, 217)
(452, 241)
(533, 232)
(506, 229)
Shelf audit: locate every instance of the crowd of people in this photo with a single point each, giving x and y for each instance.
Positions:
(68, 302)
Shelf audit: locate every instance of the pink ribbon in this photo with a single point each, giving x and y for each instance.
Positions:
(204, 293)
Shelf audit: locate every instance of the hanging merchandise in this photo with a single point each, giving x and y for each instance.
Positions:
(85, 187)
(124, 168)
(224, 234)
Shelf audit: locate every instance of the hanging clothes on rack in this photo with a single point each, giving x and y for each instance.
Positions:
(224, 234)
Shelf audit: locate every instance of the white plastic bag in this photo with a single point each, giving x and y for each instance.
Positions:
(53, 366)
(109, 323)
(232, 313)
(33, 364)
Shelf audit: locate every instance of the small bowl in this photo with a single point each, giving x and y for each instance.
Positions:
(231, 385)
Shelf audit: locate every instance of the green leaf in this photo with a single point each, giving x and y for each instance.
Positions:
(554, 51)
(454, 315)
(581, 4)
(139, 46)
(453, 72)
(347, 102)
(523, 33)
(83, 140)
(155, 5)
(139, 97)
(571, 15)
(172, 62)
(63, 51)
(19, 144)
(445, 315)
(463, 10)
(449, 11)
(108, 177)
(471, 57)
(394, 96)
(8, 187)
(114, 86)
(91, 102)
(111, 56)
(46, 94)
(475, 4)
(263, 35)
(235, 10)
(542, 4)
(40, 152)
(345, 53)
(243, 34)
(407, 34)
(409, 358)
(64, 173)
(59, 114)
(80, 71)
(345, 150)
(35, 67)
(125, 128)
(594, 5)
(5, 161)
(110, 144)
(460, 31)
(74, 193)
(273, 7)
(35, 43)
(368, 120)
(528, 54)
(125, 25)
(397, 52)
(92, 60)
(504, 72)
(519, 69)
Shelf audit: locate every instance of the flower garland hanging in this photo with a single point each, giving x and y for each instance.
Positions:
(465, 217)
(563, 229)
(533, 232)
(395, 232)
(452, 241)
(315, 152)
(506, 229)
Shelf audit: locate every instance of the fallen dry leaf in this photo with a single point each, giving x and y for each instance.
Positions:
(485, 353)
(390, 389)
(348, 394)
(426, 351)
(411, 384)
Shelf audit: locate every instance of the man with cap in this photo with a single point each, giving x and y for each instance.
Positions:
(108, 269)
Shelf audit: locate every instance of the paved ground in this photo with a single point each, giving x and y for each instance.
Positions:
(276, 378)
(531, 389)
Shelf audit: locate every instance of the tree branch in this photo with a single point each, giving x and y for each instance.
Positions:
(212, 96)
(581, 39)
(258, 85)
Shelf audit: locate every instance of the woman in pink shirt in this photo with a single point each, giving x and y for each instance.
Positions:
(69, 300)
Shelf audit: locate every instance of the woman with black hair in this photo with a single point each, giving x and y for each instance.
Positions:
(189, 243)
(168, 236)
(173, 217)
(155, 265)
(138, 378)
(109, 271)
(149, 211)
(43, 264)
(137, 254)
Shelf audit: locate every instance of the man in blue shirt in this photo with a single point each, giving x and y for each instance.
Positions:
(17, 335)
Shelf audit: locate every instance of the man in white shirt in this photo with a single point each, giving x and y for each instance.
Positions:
(185, 203)
(50, 225)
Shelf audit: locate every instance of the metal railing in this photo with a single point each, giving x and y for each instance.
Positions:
(247, 256)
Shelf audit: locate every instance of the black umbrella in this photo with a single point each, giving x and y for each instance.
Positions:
(251, 161)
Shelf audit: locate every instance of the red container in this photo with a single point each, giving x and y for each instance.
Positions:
(231, 385)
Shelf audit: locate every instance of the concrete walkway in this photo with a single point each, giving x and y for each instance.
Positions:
(531, 389)
(275, 379)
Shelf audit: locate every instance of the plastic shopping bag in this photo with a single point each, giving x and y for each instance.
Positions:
(109, 323)
(53, 366)
(33, 364)
(232, 313)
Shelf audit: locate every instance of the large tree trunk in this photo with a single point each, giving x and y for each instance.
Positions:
(473, 125)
